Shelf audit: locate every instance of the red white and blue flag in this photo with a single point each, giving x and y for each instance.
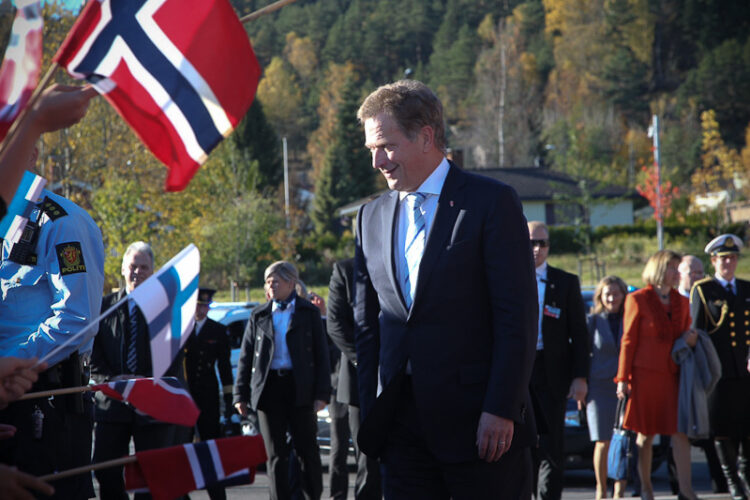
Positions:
(163, 399)
(19, 73)
(172, 472)
(167, 300)
(20, 207)
(182, 73)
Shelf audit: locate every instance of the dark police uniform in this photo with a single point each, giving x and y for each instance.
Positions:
(206, 348)
(51, 285)
(725, 317)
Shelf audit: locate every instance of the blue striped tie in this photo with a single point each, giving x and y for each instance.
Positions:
(132, 360)
(415, 242)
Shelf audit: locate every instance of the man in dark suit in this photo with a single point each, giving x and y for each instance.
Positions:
(122, 351)
(445, 312)
(562, 360)
(341, 330)
(720, 305)
(207, 347)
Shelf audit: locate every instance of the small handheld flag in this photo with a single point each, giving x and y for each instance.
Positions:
(27, 194)
(172, 472)
(163, 399)
(182, 73)
(167, 300)
(19, 73)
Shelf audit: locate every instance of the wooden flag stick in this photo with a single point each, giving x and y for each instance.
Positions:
(88, 468)
(25, 111)
(56, 392)
(265, 10)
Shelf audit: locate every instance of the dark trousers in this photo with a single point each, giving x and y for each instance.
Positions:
(411, 471)
(61, 441)
(368, 485)
(278, 414)
(340, 434)
(112, 440)
(549, 458)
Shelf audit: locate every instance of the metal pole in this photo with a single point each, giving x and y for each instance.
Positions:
(286, 184)
(657, 163)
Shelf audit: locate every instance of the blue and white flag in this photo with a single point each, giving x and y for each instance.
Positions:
(167, 300)
(27, 194)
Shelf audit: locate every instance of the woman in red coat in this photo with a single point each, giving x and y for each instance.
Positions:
(655, 317)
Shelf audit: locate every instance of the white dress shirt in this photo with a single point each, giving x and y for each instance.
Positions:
(431, 187)
(281, 359)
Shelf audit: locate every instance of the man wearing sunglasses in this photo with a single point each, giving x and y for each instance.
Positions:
(562, 360)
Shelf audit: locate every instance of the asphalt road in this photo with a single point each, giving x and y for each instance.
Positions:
(579, 485)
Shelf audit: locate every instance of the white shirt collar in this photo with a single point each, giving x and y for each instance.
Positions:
(434, 183)
(724, 282)
(199, 324)
(541, 271)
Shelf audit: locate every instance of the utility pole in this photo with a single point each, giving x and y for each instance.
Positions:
(653, 132)
(286, 185)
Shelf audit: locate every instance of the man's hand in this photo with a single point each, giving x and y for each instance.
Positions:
(691, 337)
(494, 436)
(578, 390)
(319, 405)
(7, 431)
(241, 408)
(16, 377)
(16, 484)
(61, 106)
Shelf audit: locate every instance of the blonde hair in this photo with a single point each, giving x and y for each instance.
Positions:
(534, 224)
(656, 267)
(598, 306)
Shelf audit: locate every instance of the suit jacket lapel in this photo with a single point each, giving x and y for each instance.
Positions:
(448, 206)
(265, 320)
(388, 223)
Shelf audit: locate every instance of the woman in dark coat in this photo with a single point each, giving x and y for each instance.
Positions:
(655, 317)
(283, 373)
(605, 332)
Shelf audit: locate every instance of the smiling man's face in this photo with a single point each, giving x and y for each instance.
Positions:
(401, 161)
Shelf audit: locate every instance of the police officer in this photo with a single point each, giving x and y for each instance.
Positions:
(720, 305)
(209, 346)
(51, 282)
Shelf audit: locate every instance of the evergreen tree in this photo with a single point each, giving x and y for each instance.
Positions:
(258, 145)
(346, 174)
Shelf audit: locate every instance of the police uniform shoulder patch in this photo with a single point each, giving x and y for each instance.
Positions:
(52, 209)
(70, 258)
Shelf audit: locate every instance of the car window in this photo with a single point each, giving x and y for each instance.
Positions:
(236, 330)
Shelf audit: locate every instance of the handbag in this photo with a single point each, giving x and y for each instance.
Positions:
(619, 455)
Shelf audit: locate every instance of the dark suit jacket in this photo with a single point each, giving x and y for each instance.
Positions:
(341, 328)
(109, 356)
(470, 333)
(202, 353)
(308, 349)
(566, 337)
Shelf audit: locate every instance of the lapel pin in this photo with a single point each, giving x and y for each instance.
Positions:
(451, 203)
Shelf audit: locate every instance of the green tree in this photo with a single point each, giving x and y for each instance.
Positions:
(258, 146)
(346, 174)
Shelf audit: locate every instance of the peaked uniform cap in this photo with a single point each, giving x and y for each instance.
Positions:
(724, 244)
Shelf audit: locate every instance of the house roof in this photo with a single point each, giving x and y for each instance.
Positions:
(531, 184)
(541, 184)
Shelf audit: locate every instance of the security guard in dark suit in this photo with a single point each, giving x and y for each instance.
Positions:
(207, 346)
(720, 305)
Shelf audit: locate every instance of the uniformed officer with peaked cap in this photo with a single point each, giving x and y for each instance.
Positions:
(720, 305)
(209, 346)
(50, 288)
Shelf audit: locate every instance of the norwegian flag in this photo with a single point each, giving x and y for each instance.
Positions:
(163, 399)
(182, 73)
(19, 73)
(172, 472)
(27, 194)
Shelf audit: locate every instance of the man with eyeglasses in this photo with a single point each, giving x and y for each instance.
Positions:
(691, 270)
(562, 360)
